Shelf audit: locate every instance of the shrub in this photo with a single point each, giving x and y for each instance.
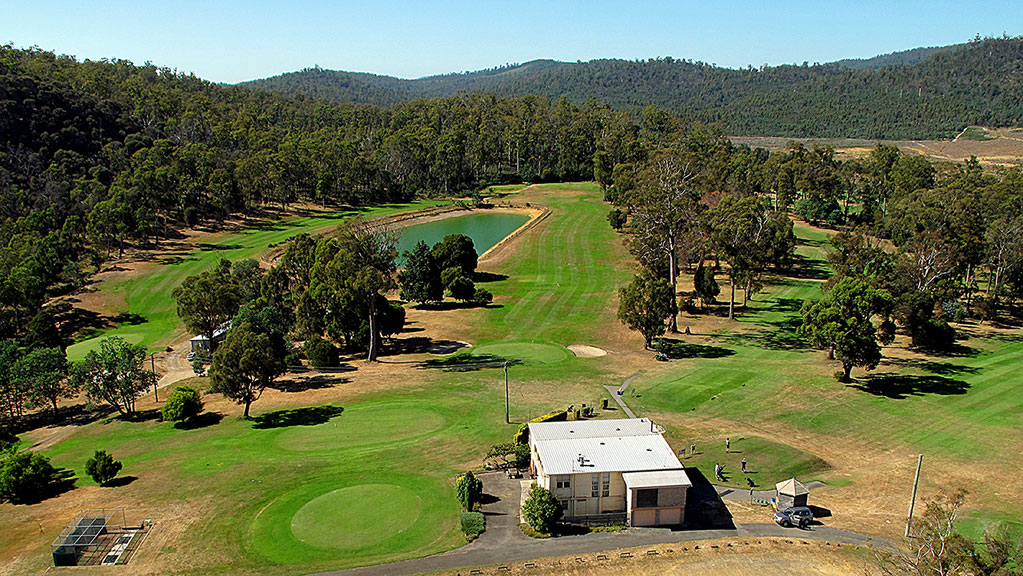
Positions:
(182, 404)
(320, 352)
(7, 440)
(462, 289)
(522, 456)
(617, 218)
(25, 477)
(987, 308)
(102, 467)
(469, 490)
(482, 296)
(522, 435)
(473, 524)
(541, 509)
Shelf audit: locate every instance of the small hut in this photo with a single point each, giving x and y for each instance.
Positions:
(790, 493)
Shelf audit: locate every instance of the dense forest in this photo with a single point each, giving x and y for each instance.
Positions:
(918, 94)
(98, 156)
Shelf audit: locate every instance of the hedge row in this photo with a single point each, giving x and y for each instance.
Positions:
(522, 436)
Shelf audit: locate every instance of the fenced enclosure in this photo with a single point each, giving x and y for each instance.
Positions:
(97, 538)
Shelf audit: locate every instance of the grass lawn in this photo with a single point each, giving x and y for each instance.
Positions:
(300, 489)
(366, 475)
(147, 294)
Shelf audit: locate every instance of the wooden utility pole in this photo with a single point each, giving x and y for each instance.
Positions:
(152, 366)
(507, 414)
(912, 502)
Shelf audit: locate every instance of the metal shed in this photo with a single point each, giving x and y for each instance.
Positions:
(791, 493)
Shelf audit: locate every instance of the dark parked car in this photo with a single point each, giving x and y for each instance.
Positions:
(799, 516)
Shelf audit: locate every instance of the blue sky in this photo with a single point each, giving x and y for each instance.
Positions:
(231, 41)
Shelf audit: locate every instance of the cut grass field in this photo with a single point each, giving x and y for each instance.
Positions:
(143, 290)
(259, 496)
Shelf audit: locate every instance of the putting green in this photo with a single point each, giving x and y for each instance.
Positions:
(356, 516)
(528, 352)
(363, 425)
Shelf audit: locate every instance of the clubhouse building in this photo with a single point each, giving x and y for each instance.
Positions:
(610, 470)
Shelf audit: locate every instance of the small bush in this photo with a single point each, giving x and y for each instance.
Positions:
(473, 524)
(7, 440)
(541, 509)
(25, 477)
(986, 308)
(102, 467)
(617, 218)
(482, 296)
(469, 490)
(320, 352)
(182, 404)
(462, 289)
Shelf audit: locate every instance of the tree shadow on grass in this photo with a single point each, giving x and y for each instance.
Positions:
(76, 415)
(483, 277)
(805, 268)
(310, 416)
(455, 305)
(940, 368)
(139, 416)
(219, 247)
(901, 386)
(469, 362)
(201, 421)
(120, 481)
(779, 335)
(62, 480)
(676, 349)
(318, 382)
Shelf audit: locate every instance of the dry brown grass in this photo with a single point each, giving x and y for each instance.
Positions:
(733, 557)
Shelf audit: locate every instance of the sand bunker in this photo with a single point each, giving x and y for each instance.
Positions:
(584, 351)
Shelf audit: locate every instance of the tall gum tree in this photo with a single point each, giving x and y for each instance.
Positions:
(665, 210)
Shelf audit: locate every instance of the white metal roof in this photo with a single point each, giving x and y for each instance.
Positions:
(591, 429)
(656, 479)
(220, 331)
(581, 447)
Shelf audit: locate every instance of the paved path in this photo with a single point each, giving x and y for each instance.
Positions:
(742, 494)
(503, 543)
(618, 398)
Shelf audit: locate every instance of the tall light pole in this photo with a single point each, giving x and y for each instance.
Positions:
(912, 502)
(507, 415)
(152, 366)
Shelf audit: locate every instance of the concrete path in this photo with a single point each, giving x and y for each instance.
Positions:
(503, 543)
(742, 494)
(618, 398)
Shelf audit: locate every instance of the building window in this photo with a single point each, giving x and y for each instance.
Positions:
(564, 505)
(646, 498)
(562, 482)
(595, 485)
(605, 489)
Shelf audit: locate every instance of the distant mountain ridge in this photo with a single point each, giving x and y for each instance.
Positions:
(920, 93)
(901, 58)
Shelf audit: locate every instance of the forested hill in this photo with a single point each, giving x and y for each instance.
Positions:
(946, 89)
